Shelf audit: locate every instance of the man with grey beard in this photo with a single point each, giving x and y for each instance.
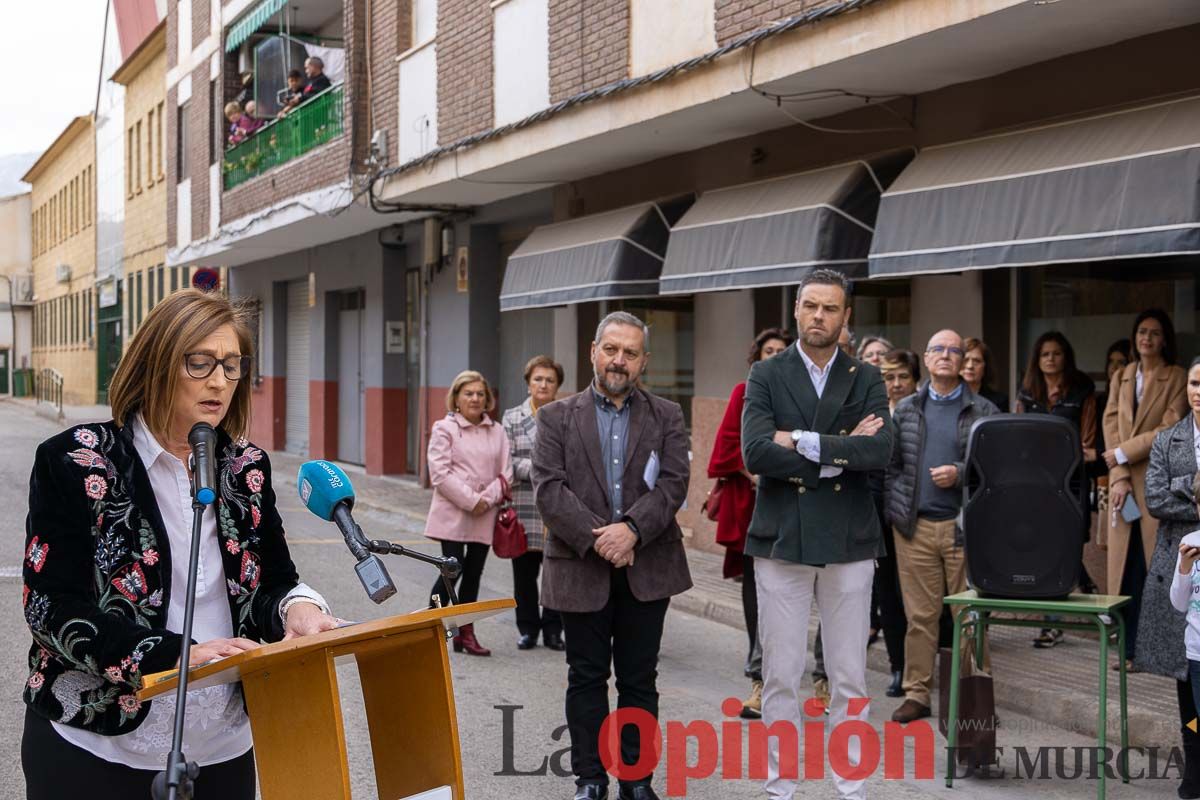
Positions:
(610, 470)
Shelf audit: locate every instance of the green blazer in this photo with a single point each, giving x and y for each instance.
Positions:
(798, 516)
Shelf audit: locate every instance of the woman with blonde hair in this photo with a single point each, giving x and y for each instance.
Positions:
(106, 565)
(469, 464)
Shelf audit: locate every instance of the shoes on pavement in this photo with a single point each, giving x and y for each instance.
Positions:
(466, 641)
(896, 688)
(638, 791)
(909, 711)
(1048, 638)
(591, 791)
(821, 692)
(752, 705)
(1130, 669)
(554, 641)
(526, 641)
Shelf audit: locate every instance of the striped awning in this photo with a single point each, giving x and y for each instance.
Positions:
(773, 232)
(613, 255)
(1120, 185)
(251, 21)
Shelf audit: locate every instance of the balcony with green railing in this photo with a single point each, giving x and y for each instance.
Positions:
(305, 128)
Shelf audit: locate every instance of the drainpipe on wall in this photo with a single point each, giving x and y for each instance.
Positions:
(12, 321)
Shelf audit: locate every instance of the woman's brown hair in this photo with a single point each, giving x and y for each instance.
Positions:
(543, 362)
(149, 373)
(461, 380)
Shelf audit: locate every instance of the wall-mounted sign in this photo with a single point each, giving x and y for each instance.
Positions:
(460, 268)
(107, 293)
(207, 279)
(394, 337)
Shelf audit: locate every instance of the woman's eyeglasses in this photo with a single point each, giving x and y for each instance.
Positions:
(201, 365)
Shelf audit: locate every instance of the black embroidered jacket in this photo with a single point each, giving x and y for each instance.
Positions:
(97, 571)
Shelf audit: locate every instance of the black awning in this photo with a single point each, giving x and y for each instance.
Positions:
(1120, 185)
(616, 254)
(772, 232)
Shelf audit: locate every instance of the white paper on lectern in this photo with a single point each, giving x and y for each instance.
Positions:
(442, 793)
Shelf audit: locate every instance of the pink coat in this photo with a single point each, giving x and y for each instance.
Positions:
(465, 462)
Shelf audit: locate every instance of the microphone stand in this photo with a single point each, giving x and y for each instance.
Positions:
(447, 566)
(175, 783)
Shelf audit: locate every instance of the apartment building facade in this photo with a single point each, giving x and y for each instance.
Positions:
(690, 160)
(64, 259)
(16, 284)
(504, 173)
(144, 279)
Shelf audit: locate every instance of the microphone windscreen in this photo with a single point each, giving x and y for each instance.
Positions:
(322, 486)
(202, 433)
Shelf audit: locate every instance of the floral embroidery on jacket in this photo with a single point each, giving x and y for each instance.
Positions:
(84, 666)
(35, 555)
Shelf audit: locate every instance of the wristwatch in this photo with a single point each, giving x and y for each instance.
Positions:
(796, 434)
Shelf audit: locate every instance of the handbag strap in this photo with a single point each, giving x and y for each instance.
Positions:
(506, 490)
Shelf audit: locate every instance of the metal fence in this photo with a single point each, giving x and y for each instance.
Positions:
(306, 127)
(50, 388)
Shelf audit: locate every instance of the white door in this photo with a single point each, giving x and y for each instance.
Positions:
(296, 416)
(350, 382)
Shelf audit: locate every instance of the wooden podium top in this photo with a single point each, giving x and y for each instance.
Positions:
(346, 640)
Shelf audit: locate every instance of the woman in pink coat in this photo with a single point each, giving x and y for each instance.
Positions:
(468, 454)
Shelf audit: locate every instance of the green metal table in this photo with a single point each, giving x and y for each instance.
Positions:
(1097, 612)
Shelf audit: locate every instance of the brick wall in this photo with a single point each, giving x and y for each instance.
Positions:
(322, 167)
(198, 150)
(464, 65)
(391, 35)
(735, 17)
(589, 45)
(357, 101)
(201, 20)
(172, 34)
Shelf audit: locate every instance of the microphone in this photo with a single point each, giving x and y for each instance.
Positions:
(325, 490)
(203, 440)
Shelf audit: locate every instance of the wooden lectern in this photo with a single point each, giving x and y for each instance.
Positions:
(295, 711)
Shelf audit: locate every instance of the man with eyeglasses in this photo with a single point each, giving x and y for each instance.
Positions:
(924, 495)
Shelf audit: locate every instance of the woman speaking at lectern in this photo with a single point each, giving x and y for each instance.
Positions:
(106, 561)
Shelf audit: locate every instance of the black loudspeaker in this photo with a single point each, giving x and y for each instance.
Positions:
(1025, 509)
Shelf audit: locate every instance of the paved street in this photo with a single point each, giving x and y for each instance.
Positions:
(700, 666)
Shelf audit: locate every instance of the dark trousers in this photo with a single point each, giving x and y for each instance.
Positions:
(531, 617)
(1133, 582)
(1185, 694)
(626, 635)
(55, 769)
(750, 613)
(887, 598)
(472, 556)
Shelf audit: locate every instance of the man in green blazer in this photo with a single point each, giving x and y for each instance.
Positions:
(815, 424)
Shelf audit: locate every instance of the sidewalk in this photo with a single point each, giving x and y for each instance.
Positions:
(72, 415)
(1057, 687)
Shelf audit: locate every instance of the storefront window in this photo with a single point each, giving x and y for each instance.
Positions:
(671, 373)
(1095, 305)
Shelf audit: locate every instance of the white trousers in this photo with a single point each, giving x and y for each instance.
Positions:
(785, 596)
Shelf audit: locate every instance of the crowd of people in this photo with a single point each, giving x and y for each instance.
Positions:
(241, 112)
(840, 471)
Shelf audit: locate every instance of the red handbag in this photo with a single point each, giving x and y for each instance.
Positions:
(508, 538)
(712, 503)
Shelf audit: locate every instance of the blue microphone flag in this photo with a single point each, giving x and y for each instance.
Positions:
(322, 486)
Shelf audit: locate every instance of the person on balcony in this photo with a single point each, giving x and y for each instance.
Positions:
(316, 82)
(241, 126)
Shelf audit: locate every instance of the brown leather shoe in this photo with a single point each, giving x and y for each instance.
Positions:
(909, 711)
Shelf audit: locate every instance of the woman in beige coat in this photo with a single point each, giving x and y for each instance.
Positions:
(1144, 398)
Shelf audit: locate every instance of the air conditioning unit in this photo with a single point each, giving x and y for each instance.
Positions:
(63, 273)
(22, 289)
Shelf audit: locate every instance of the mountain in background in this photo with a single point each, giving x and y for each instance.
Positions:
(12, 167)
